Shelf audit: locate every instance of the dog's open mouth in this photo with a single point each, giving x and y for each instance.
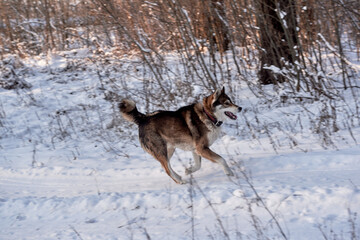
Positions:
(231, 115)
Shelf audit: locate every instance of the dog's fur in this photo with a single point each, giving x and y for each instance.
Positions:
(191, 128)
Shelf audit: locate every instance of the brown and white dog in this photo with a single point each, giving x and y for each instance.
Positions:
(191, 128)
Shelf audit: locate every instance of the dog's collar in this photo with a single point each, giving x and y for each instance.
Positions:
(213, 119)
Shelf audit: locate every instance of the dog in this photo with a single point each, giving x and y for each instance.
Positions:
(191, 128)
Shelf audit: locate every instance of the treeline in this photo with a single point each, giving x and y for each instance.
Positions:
(287, 38)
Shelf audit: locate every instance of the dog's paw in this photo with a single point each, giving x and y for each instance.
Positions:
(229, 173)
(181, 181)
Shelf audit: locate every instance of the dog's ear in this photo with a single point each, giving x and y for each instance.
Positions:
(217, 94)
(210, 100)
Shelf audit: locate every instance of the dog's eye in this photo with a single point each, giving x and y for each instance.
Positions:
(227, 102)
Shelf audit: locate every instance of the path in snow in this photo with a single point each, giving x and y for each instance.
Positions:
(305, 190)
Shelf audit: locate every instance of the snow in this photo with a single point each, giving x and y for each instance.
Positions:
(65, 174)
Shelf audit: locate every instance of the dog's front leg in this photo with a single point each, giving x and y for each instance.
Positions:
(208, 154)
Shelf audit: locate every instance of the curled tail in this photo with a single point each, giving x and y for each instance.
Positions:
(129, 111)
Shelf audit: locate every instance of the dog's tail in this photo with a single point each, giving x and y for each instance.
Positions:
(129, 111)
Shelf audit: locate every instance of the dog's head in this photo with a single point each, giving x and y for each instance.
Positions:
(220, 105)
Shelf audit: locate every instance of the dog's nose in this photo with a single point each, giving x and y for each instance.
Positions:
(239, 108)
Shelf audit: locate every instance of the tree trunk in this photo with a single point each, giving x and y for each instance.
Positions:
(277, 23)
(213, 25)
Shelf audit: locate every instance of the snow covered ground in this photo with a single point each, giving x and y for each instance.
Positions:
(71, 169)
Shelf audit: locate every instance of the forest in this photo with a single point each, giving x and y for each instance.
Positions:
(287, 35)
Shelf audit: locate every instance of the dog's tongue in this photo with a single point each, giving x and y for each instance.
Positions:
(231, 115)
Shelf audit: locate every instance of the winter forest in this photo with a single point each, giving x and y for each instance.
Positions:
(72, 168)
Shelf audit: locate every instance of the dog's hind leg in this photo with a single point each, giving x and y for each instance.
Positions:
(156, 146)
(165, 163)
(197, 161)
(170, 151)
(168, 169)
(172, 173)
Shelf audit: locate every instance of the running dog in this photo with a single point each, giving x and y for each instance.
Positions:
(191, 128)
